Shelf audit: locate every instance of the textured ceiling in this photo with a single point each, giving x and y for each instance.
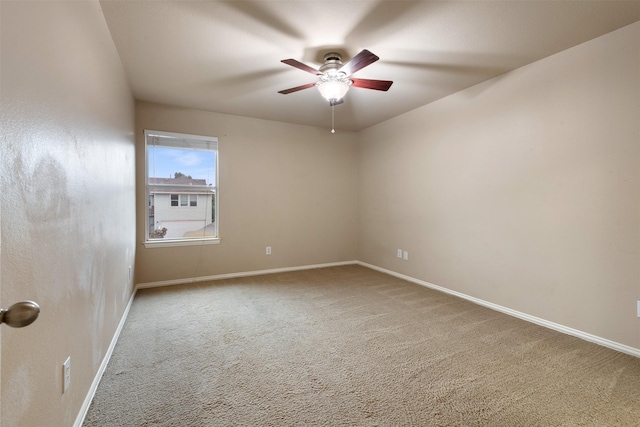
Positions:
(224, 56)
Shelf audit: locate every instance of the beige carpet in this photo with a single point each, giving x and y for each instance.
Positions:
(348, 346)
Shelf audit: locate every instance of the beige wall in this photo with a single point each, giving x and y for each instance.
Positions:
(67, 201)
(521, 191)
(287, 186)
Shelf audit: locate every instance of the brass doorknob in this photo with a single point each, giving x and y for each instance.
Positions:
(20, 314)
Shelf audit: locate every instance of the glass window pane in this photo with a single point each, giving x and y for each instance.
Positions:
(181, 173)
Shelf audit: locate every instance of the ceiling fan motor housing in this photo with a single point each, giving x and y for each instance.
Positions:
(332, 63)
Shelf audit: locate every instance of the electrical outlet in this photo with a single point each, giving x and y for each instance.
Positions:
(405, 256)
(268, 250)
(638, 308)
(66, 374)
(399, 253)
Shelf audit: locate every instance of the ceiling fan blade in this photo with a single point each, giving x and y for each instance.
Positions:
(358, 62)
(372, 84)
(297, 88)
(301, 66)
(333, 102)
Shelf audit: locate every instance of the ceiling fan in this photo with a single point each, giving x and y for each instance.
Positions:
(335, 77)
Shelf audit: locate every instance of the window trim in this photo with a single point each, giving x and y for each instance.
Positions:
(196, 142)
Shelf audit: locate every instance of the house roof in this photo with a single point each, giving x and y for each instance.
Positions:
(182, 180)
(179, 185)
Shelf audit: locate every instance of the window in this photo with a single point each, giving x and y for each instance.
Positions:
(182, 188)
(185, 200)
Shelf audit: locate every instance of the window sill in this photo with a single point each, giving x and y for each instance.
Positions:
(176, 242)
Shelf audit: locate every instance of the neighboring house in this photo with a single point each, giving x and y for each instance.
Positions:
(181, 205)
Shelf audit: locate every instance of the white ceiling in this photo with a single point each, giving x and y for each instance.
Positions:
(224, 56)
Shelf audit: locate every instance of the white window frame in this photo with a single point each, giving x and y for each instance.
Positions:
(189, 141)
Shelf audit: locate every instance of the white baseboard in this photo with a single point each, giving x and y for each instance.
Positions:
(241, 274)
(103, 366)
(538, 321)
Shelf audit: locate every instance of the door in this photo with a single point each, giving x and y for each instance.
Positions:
(18, 315)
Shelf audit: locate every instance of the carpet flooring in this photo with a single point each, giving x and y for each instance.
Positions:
(349, 346)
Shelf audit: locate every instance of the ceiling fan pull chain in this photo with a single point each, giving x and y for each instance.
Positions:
(333, 129)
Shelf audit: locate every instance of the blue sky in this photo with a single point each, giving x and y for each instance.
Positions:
(165, 162)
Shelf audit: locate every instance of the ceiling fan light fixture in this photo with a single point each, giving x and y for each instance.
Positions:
(333, 89)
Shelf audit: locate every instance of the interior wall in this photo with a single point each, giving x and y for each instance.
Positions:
(521, 191)
(287, 186)
(67, 200)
